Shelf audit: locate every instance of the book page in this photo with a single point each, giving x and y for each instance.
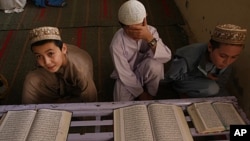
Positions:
(2, 118)
(209, 117)
(14, 119)
(168, 123)
(195, 118)
(134, 124)
(228, 114)
(50, 125)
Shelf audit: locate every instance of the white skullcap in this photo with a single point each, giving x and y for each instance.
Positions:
(44, 33)
(131, 12)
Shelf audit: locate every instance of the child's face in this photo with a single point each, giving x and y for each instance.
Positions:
(225, 55)
(50, 57)
(132, 30)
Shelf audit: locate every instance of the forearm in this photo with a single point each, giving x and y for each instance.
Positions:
(88, 91)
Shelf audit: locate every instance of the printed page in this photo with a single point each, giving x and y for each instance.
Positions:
(50, 125)
(228, 114)
(133, 123)
(209, 117)
(14, 119)
(195, 118)
(2, 118)
(168, 123)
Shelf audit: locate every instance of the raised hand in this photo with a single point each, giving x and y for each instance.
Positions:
(139, 31)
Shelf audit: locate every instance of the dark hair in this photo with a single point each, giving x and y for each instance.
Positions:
(58, 43)
(122, 25)
(214, 44)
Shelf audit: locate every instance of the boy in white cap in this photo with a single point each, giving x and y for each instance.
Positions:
(203, 69)
(64, 72)
(138, 55)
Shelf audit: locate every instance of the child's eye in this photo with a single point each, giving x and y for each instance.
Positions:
(50, 54)
(223, 56)
(38, 56)
(234, 57)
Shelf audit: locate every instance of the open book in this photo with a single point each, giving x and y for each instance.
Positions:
(214, 117)
(153, 122)
(32, 125)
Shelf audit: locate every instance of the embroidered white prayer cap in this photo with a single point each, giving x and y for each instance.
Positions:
(230, 34)
(131, 12)
(44, 33)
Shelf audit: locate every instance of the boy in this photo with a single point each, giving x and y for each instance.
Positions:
(64, 72)
(138, 54)
(202, 70)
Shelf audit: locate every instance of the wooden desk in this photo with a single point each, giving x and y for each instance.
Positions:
(94, 121)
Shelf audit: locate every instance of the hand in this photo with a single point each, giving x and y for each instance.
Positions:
(139, 31)
(212, 76)
(145, 96)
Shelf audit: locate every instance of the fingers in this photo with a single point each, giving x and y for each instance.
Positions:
(134, 27)
(139, 31)
(211, 76)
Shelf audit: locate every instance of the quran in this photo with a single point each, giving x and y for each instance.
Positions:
(153, 122)
(210, 117)
(31, 125)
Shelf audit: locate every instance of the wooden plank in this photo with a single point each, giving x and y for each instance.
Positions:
(91, 123)
(111, 105)
(93, 113)
(105, 136)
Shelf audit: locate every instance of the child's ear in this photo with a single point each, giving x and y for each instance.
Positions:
(64, 48)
